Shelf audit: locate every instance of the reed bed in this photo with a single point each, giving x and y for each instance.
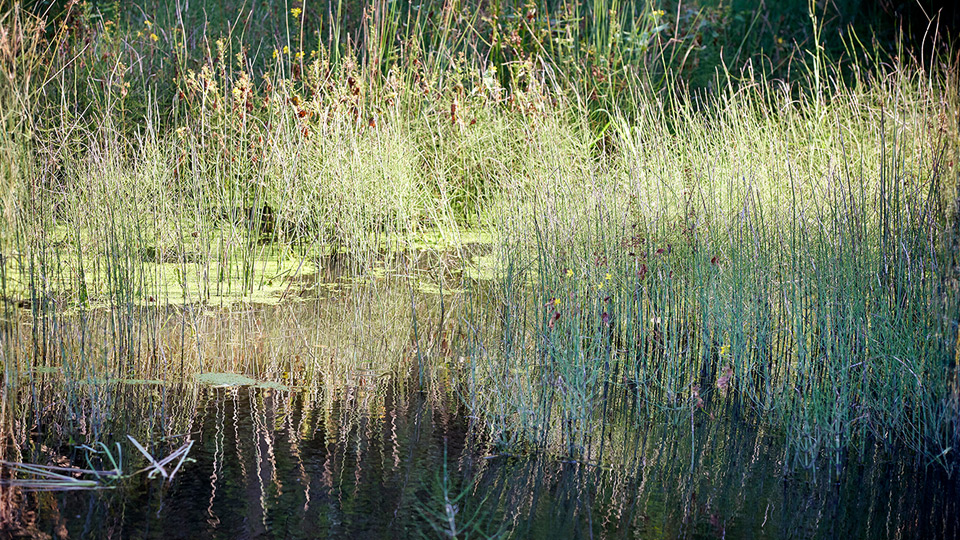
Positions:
(791, 257)
(565, 237)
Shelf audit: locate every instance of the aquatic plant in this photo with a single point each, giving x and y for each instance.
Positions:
(781, 251)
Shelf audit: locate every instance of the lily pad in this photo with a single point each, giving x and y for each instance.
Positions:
(235, 379)
(224, 379)
(273, 385)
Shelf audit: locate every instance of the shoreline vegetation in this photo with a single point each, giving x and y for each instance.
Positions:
(520, 209)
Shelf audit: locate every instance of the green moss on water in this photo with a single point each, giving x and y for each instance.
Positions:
(268, 280)
(270, 276)
(481, 267)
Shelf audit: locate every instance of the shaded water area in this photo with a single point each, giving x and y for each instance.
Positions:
(364, 410)
(380, 459)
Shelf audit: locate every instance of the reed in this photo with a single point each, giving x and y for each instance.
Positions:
(789, 259)
(532, 214)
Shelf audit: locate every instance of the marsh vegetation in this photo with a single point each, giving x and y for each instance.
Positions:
(490, 269)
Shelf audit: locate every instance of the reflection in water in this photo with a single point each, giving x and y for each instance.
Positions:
(375, 461)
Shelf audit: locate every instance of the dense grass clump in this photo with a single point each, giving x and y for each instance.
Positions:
(792, 258)
(550, 224)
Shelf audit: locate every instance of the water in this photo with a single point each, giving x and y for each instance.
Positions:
(383, 460)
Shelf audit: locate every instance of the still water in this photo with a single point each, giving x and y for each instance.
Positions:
(377, 460)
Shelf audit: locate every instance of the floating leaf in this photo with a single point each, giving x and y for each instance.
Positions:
(224, 379)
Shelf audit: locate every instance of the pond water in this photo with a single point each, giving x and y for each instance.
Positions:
(383, 460)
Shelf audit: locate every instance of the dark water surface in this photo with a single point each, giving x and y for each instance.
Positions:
(372, 462)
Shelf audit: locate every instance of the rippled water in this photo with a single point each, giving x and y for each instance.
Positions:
(378, 461)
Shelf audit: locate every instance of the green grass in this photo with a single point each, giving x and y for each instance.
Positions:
(795, 259)
(550, 225)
